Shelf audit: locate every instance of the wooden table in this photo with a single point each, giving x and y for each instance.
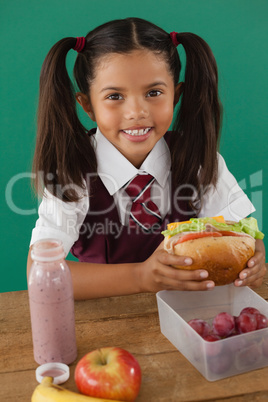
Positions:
(130, 322)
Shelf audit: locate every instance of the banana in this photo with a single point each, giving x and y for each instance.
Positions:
(49, 392)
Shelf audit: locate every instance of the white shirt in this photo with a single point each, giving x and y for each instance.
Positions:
(61, 220)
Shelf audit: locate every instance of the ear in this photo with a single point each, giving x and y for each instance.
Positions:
(84, 101)
(178, 92)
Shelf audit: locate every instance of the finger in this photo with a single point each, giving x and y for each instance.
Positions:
(255, 269)
(255, 264)
(172, 259)
(246, 273)
(169, 263)
(181, 279)
(180, 274)
(247, 281)
(253, 283)
(172, 284)
(248, 277)
(258, 258)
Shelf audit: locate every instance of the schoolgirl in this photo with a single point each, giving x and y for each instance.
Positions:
(109, 193)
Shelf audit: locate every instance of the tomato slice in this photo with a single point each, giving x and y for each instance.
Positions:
(198, 235)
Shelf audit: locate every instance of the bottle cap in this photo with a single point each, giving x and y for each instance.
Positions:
(59, 371)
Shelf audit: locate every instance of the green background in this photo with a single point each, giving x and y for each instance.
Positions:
(236, 30)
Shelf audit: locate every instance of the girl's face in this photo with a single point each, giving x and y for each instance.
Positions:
(132, 99)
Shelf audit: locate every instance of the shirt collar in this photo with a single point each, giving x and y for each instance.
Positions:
(115, 170)
(158, 162)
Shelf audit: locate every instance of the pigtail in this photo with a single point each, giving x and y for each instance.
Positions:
(194, 150)
(63, 149)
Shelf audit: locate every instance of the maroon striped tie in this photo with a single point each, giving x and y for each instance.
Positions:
(143, 212)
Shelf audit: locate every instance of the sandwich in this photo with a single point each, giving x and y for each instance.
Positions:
(220, 247)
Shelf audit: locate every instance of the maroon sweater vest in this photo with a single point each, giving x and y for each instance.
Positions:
(103, 239)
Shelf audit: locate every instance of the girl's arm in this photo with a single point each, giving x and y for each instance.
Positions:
(156, 273)
(104, 280)
(100, 280)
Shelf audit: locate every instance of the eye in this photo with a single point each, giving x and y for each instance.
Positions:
(154, 93)
(115, 96)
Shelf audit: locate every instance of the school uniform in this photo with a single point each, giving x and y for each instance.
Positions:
(95, 229)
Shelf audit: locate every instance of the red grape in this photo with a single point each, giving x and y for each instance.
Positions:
(200, 326)
(250, 310)
(215, 348)
(262, 321)
(223, 324)
(246, 323)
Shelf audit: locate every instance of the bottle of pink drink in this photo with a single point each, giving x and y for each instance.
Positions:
(51, 304)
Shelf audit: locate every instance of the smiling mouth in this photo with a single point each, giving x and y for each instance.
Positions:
(137, 133)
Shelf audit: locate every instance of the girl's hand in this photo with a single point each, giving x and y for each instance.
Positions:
(157, 273)
(255, 271)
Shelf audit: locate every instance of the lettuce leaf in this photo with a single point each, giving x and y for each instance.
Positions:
(250, 226)
(247, 225)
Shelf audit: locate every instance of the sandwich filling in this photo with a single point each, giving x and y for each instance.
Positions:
(196, 228)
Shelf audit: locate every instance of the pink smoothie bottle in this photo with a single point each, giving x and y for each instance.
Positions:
(51, 300)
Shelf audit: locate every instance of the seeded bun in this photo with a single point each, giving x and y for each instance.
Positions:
(223, 257)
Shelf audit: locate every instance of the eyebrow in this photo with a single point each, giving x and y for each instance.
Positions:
(157, 83)
(119, 89)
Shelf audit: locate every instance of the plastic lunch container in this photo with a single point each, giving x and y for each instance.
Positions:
(59, 371)
(223, 358)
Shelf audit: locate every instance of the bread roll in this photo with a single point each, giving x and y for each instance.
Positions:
(223, 257)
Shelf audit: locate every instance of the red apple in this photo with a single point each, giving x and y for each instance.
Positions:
(111, 373)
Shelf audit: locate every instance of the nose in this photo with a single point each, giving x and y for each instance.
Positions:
(136, 109)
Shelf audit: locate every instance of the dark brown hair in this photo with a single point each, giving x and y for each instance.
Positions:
(64, 151)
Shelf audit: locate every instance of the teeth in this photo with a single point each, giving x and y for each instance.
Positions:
(137, 132)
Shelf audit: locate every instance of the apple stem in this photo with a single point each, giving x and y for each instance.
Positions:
(103, 360)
